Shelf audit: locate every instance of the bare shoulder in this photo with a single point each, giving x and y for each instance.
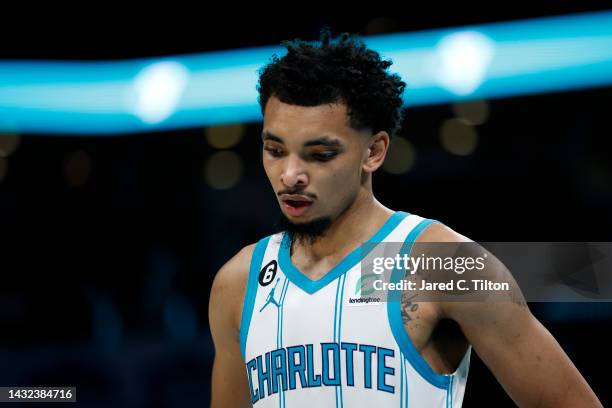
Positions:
(233, 274)
(229, 287)
(494, 270)
(437, 232)
(229, 383)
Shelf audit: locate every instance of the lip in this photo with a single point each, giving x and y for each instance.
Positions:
(295, 197)
(289, 204)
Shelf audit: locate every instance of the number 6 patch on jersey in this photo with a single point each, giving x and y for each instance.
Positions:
(268, 272)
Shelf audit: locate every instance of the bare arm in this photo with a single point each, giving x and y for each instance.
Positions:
(229, 380)
(522, 354)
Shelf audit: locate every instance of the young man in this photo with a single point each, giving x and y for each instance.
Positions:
(284, 329)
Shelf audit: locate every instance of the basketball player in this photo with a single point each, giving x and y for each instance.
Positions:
(284, 330)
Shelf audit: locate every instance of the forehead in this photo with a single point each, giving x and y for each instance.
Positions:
(300, 122)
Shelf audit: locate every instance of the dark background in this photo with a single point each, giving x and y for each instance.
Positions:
(110, 244)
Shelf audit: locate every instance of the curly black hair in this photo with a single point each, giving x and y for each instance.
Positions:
(341, 70)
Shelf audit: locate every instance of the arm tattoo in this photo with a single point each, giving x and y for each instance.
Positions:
(408, 306)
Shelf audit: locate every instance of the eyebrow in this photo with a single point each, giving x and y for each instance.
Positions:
(320, 141)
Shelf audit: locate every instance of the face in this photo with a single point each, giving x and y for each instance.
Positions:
(314, 160)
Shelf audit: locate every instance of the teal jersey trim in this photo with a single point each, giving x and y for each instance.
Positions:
(401, 382)
(449, 394)
(279, 334)
(397, 326)
(311, 286)
(251, 291)
(338, 329)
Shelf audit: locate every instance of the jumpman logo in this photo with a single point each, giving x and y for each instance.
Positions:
(270, 298)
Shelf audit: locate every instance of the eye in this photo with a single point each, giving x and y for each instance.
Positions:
(274, 151)
(324, 156)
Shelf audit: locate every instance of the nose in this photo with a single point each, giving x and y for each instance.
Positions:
(294, 173)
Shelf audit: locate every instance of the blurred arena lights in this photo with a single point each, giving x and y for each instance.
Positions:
(463, 60)
(223, 170)
(458, 137)
(197, 90)
(8, 144)
(224, 136)
(157, 90)
(474, 112)
(401, 156)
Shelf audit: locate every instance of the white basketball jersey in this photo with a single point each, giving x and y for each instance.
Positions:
(309, 344)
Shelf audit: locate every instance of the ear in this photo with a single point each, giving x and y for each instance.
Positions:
(376, 151)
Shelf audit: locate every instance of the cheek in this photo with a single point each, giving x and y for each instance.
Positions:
(342, 180)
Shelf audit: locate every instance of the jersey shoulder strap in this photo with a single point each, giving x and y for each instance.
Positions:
(265, 249)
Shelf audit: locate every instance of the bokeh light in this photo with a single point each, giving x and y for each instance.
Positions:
(224, 136)
(8, 143)
(400, 157)
(157, 90)
(463, 61)
(474, 112)
(223, 170)
(458, 137)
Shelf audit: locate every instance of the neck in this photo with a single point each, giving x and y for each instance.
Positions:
(351, 228)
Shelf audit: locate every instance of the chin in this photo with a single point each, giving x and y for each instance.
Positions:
(302, 219)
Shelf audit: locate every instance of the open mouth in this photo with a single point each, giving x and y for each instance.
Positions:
(296, 208)
(297, 204)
